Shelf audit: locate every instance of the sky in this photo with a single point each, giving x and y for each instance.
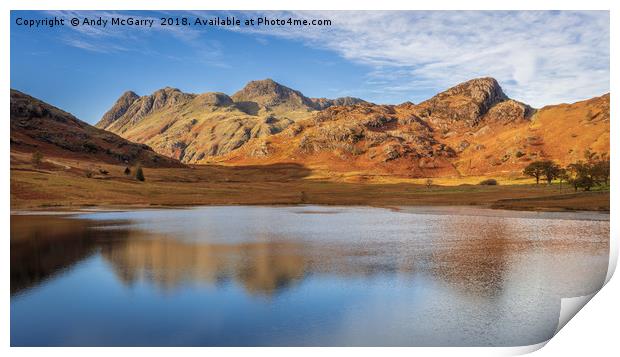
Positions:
(538, 57)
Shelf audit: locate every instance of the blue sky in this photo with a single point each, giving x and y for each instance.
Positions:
(386, 57)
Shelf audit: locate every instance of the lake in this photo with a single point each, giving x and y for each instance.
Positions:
(300, 276)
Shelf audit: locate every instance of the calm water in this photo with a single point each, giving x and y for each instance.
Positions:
(304, 275)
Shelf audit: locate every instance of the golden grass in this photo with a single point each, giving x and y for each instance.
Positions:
(62, 183)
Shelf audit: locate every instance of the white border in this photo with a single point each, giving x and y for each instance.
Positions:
(592, 330)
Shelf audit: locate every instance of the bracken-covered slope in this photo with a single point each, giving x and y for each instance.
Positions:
(373, 139)
(38, 126)
(193, 128)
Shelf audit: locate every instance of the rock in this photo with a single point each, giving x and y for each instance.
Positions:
(463, 145)
(509, 111)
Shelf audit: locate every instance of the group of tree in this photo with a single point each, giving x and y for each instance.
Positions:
(584, 174)
(139, 174)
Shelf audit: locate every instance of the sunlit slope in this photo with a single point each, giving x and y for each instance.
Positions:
(471, 129)
(191, 127)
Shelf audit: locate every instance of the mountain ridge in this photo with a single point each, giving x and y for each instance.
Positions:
(472, 128)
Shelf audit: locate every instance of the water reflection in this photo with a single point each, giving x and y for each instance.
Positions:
(43, 246)
(337, 276)
(262, 267)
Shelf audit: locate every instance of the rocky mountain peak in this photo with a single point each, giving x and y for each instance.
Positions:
(118, 109)
(213, 99)
(466, 102)
(269, 93)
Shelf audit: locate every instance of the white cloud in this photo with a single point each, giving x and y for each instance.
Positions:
(538, 57)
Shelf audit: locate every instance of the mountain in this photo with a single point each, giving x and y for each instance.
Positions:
(193, 128)
(470, 129)
(273, 95)
(467, 103)
(38, 126)
(119, 109)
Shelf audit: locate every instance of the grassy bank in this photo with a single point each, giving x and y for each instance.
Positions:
(65, 183)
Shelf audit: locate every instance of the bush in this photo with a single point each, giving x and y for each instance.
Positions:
(489, 182)
(139, 174)
(37, 158)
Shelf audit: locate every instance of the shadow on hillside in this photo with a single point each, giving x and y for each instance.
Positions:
(250, 108)
(256, 173)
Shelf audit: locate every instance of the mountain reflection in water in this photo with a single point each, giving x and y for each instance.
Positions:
(472, 273)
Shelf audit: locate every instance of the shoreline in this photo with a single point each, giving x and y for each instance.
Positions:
(71, 210)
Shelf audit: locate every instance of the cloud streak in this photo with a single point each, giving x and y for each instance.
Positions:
(539, 57)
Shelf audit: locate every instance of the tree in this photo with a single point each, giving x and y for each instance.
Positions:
(535, 169)
(139, 174)
(563, 176)
(127, 171)
(546, 168)
(600, 170)
(581, 175)
(37, 158)
(551, 170)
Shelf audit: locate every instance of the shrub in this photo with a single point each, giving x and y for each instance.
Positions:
(37, 158)
(489, 182)
(139, 174)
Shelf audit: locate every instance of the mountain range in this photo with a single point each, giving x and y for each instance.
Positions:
(471, 129)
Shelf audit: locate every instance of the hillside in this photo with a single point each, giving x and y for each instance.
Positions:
(194, 127)
(38, 126)
(472, 129)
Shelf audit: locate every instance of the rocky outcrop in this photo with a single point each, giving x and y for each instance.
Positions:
(146, 105)
(118, 109)
(324, 103)
(379, 132)
(270, 94)
(465, 103)
(213, 99)
(509, 111)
